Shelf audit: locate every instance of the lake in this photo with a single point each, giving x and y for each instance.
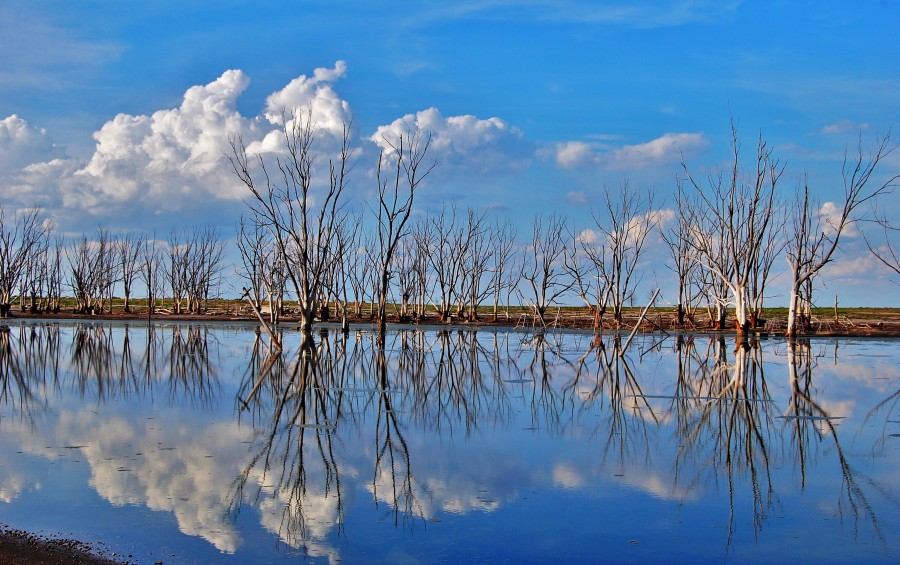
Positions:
(202, 443)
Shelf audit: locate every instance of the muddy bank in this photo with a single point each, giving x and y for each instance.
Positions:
(18, 547)
(848, 322)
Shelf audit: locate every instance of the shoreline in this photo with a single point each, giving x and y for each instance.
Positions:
(853, 322)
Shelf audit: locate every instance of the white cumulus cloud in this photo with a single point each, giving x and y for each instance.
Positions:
(172, 152)
(171, 161)
(460, 142)
(22, 144)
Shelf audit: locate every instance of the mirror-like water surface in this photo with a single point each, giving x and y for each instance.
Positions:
(199, 443)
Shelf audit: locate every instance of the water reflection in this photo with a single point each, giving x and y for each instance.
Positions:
(223, 429)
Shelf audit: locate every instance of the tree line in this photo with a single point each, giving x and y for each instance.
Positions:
(302, 241)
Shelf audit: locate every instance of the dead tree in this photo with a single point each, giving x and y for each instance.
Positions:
(736, 215)
(629, 219)
(444, 242)
(254, 251)
(176, 267)
(151, 272)
(815, 237)
(45, 276)
(193, 268)
(301, 219)
(362, 264)
(346, 243)
(683, 265)
(17, 240)
(92, 271)
(543, 271)
(401, 170)
(503, 243)
(422, 267)
(128, 255)
(404, 269)
(476, 263)
(583, 264)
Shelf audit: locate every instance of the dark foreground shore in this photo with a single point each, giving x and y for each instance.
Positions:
(24, 548)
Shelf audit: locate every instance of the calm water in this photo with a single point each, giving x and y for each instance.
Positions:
(197, 444)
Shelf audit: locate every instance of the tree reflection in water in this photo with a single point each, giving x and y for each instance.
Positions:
(22, 372)
(724, 412)
(309, 404)
(293, 404)
(810, 425)
(606, 382)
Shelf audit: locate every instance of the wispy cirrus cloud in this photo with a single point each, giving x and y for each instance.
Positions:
(640, 14)
(48, 55)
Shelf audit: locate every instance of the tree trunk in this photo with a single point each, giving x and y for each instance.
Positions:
(792, 311)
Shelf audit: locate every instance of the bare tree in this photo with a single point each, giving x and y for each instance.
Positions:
(47, 276)
(629, 219)
(732, 226)
(583, 264)
(17, 240)
(179, 252)
(404, 268)
(254, 253)
(129, 251)
(205, 268)
(815, 237)
(400, 172)
(303, 222)
(543, 270)
(476, 262)
(421, 236)
(444, 242)
(503, 243)
(683, 265)
(151, 272)
(363, 264)
(346, 243)
(92, 271)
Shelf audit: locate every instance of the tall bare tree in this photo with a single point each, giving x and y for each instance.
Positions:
(401, 170)
(302, 220)
(815, 236)
(732, 227)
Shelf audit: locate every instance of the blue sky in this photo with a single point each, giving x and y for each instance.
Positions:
(538, 105)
